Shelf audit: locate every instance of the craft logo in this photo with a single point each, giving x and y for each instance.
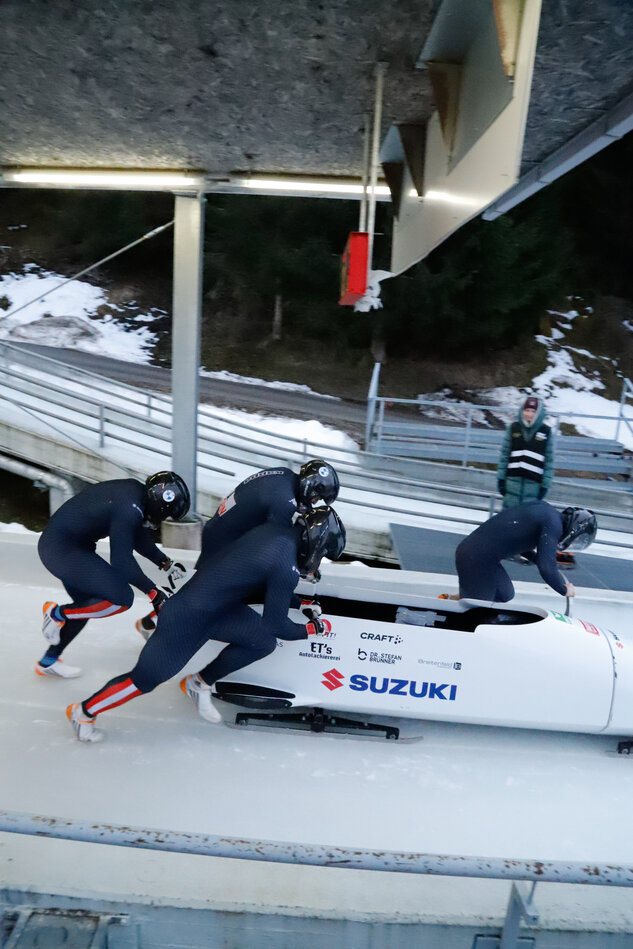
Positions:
(323, 471)
(169, 495)
(382, 638)
(332, 679)
(590, 628)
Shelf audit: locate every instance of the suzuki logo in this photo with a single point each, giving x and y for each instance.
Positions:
(333, 679)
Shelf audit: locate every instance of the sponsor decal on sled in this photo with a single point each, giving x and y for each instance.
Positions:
(332, 679)
(389, 658)
(418, 690)
(382, 638)
(320, 651)
(560, 617)
(445, 691)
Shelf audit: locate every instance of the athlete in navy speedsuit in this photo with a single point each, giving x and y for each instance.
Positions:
(126, 511)
(536, 529)
(266, 562)
(273, 495)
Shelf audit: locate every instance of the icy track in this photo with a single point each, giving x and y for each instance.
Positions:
(447, 789)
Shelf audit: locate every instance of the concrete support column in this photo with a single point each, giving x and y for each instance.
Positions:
(187, 306)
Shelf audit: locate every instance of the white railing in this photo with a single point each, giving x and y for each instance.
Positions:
(72, 401)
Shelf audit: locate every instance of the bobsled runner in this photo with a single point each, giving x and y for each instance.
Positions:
(441, 660)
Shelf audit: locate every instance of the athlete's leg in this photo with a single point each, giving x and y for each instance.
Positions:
(248, 640)
(179, 635)
(477, 576)
(504, 589)
(96, 589)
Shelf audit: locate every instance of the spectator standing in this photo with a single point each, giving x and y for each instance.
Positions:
(526, 465)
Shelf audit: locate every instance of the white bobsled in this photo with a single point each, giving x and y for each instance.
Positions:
(464, 661)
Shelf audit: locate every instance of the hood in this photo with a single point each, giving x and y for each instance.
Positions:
(528, 430)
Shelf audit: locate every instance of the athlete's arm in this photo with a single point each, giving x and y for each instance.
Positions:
(145, 546)
(123, 531)
(546, 560)
(282, 578)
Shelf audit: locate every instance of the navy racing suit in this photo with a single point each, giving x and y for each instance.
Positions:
(268, 495)
(213, 605)
(67, 548)
(534, 526)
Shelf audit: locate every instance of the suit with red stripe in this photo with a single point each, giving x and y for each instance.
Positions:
(212, 605)
(67, 548)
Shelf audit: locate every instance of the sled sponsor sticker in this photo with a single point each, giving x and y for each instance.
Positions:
(320, 651)
(440, 663)
(382, 685)
(618, 642)
(227, 504)
(382, 638)
(389, 658)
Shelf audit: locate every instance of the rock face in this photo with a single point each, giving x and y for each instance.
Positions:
(275, 85)
(68, 330)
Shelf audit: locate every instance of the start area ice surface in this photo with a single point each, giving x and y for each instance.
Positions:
(445, 789)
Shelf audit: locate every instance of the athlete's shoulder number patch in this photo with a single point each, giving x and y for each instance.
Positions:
(227, 504)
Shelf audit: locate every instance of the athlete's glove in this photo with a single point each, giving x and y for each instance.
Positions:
(501, 487)
(319, 627)
(158, 599)
(311, 608)
(175, 571)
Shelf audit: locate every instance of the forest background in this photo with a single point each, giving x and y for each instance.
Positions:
(463, 319)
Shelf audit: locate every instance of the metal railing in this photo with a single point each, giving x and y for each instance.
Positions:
(50, 390)
(466, 431)
(317, 855)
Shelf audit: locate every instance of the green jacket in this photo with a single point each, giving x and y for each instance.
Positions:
(526, 464)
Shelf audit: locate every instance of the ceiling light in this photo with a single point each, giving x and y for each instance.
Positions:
(131, 180)
(309, 186)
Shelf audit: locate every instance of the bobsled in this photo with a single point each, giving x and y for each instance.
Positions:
(440, 660)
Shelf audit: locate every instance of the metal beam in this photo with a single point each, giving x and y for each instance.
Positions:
(317, 855)
(605, 130)
(187, 308)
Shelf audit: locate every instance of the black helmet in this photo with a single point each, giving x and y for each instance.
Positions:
(318, 481)
(166, 495)
(323, 535)
(579, 528)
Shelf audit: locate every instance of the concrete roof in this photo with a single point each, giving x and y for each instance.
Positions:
(274, 86)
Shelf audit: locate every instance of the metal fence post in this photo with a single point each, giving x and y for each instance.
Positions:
(467, 438)
(381, 419)
(622, 400)
(519, 907)
(371, 405)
